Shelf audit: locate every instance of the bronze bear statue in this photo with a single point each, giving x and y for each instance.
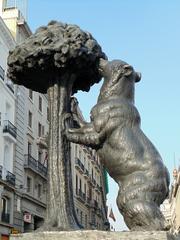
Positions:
(128, 155)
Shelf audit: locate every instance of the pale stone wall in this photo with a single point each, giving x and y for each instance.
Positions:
(94, 235)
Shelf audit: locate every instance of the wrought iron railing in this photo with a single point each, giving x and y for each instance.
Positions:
(82, 195)
(9, 128)
(96, 204)
(35, 165)
(10, 178)
(79, 163)
(1, 169)
(86, 173)
(2, 73)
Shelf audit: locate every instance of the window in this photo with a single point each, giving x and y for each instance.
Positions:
(39, 129)
(90, 193)
(77, 210)
(30, 94)
(93, 218)
(30, 119)
(29, 184)
(47, 113)
(81, 217)
(76, 184)
(9, 4)
(40, 104)
(39, 190)
(29, 148)
(86, 222)
(5, 203)
(85, 188)
(7, 157)
(42, 132)
(92, 173)
(39, 156)
(80, 184)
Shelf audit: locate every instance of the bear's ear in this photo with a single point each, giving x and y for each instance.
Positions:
(127, 70)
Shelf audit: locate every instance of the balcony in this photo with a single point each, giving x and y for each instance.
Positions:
(10, 85)
(79, 165)
(35, 165)
(2, 73)
(1, 168)
(10, 178)
(97, 166)
(88, 202)
(86, 173)
(5, 217)
(95, 204)
(9, 130)
(81, 196)
(99, 212)
(98, 188)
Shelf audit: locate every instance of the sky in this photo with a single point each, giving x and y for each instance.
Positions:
(145, 34)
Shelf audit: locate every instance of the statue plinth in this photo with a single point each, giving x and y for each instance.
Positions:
(94, 235)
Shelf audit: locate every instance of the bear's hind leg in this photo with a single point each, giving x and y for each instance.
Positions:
(143, 215)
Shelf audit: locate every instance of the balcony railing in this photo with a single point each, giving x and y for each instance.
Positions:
(88, 202)
(35, 165)
(1, 168)
(10, 178)
(2, 73)
(79, 164)
(98, 188)
(42, 168)
(81, 196)
(96, 204)
(5, 217)
(86, 173)
(9, 128)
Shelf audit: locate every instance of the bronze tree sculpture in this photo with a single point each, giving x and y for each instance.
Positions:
(59, 59)
(128, 155)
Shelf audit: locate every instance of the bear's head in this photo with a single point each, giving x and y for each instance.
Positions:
(119, 78)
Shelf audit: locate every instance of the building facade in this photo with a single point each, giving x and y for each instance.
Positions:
(174, 200)
(7, 134)
(171, 206)
(89, 188)
(23, 163)
(24, 121)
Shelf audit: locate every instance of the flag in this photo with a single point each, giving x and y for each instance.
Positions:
(111, 215)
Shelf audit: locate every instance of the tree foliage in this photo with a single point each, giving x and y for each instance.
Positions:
(59, 49)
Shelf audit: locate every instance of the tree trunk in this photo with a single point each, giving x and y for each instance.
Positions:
(61, 213)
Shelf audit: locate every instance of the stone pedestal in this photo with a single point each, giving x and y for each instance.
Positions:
(95, 235)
